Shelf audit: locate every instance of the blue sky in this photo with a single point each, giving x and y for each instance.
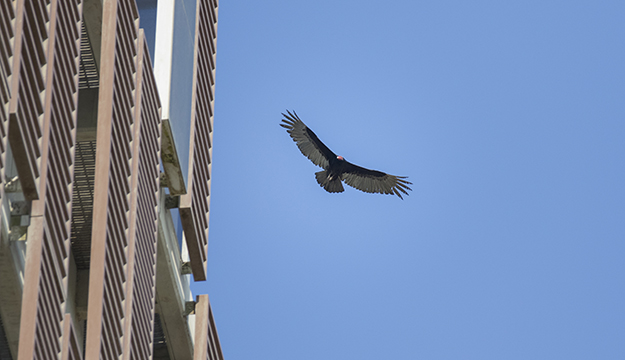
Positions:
(508, 118)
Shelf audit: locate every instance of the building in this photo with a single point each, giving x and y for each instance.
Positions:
(105, 165)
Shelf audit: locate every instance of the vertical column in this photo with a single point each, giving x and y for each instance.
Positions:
(28, 83)
(109, 240)
(206, 339)
(7, 15)
(143, 229)
(70, 349)
(54, 63)
(194, 205)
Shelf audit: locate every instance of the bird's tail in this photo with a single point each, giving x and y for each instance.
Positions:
(332, 185)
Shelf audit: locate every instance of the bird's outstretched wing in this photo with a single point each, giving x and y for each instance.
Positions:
(306, 140)
(373, 181)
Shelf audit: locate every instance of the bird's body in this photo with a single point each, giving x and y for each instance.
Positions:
(336, 168)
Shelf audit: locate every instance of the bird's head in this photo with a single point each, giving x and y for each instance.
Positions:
(340, 158)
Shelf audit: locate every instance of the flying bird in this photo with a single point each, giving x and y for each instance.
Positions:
(335, 168)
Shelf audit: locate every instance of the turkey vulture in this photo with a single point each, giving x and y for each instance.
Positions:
(337, 169)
